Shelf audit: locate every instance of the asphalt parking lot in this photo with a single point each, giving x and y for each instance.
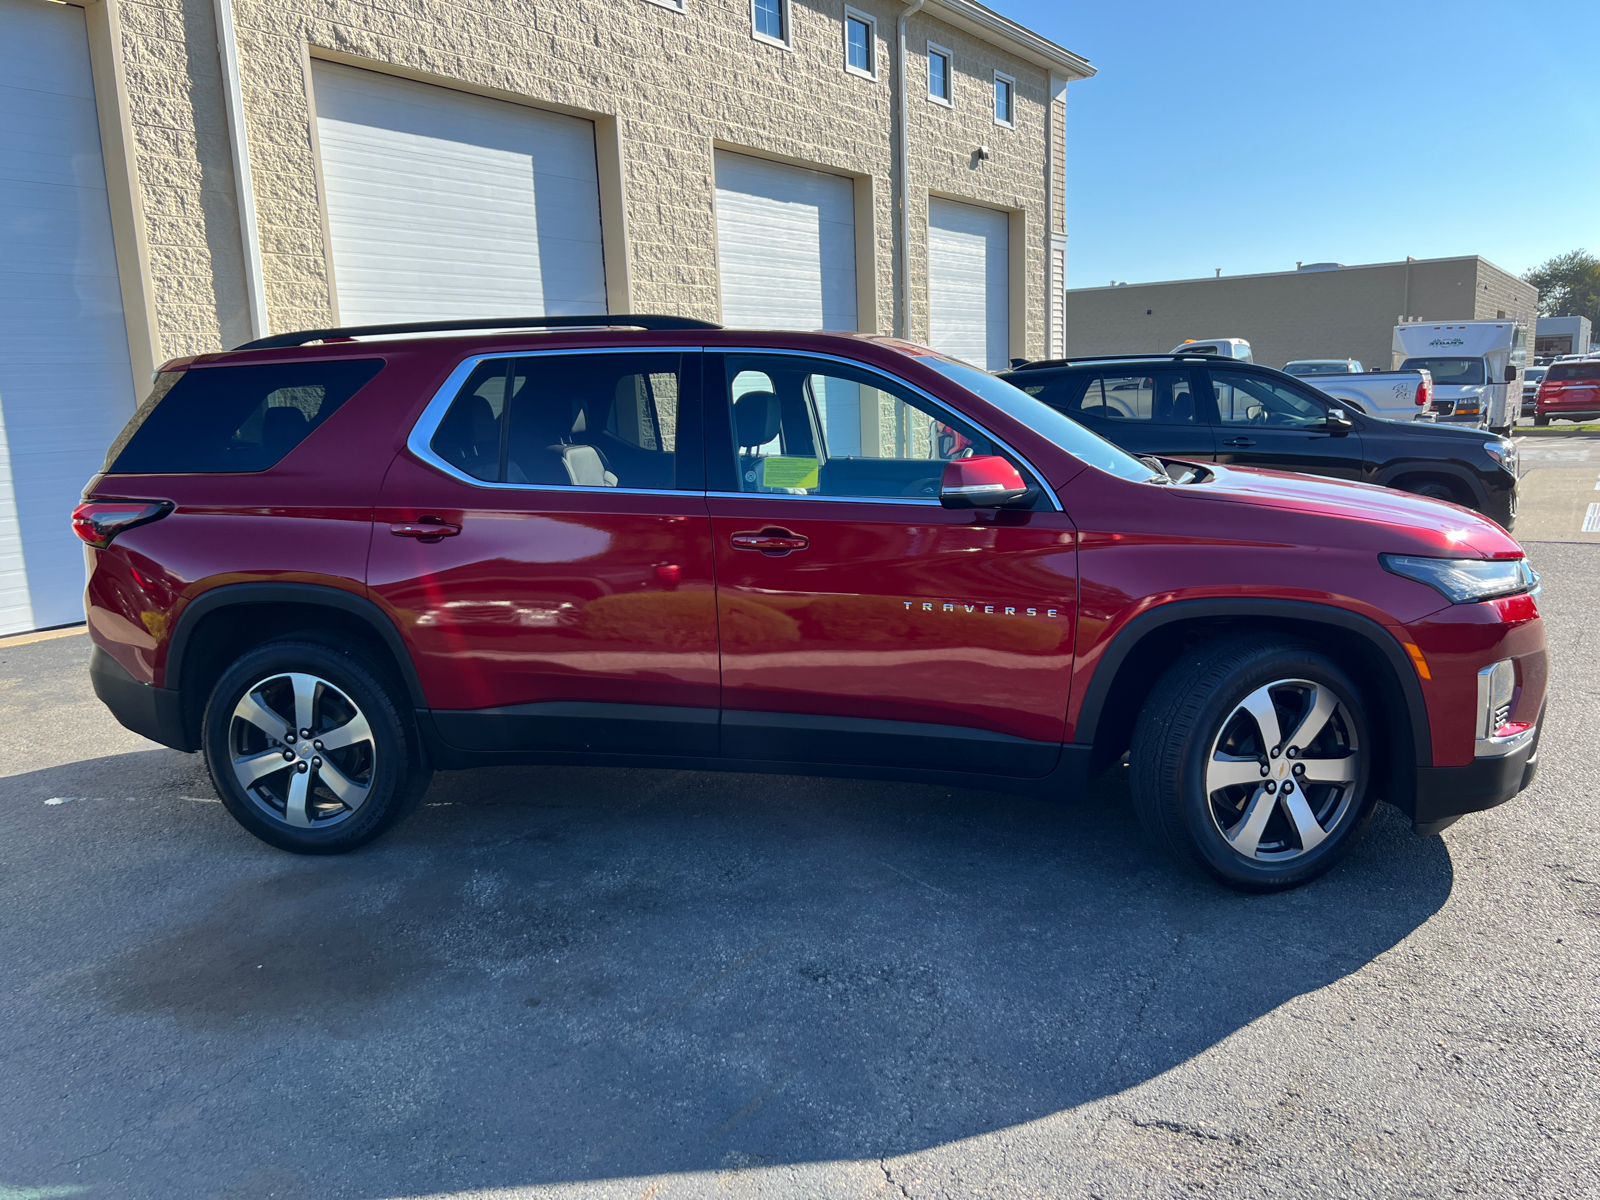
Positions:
(627, 983)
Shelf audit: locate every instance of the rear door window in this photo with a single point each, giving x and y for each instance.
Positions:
(1565, 371)
(225, 420)
(569, 420)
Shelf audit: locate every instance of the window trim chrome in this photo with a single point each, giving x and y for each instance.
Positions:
(1044, 484)
(428, 422)
(432, 415)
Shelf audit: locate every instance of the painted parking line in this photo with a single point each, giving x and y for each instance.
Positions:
(1591, 519)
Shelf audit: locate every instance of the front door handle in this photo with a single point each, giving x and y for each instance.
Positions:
(425, 530)
(770, 541)
(1240, 441)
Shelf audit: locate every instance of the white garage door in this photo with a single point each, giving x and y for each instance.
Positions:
(443, 204)
(66, 387)
(786, 245)
(968, 283)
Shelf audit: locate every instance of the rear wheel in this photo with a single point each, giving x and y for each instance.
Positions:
(308, 747)
(1540, 419)
(1434, 489)
(1251, 763)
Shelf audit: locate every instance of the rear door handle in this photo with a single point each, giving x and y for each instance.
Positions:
(424, 530)
(1240, 441)
(770, 541)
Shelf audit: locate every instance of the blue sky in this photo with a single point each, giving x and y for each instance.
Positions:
(1249, 135)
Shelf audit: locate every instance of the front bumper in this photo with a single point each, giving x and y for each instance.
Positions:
(152, 712)
(1446, 794)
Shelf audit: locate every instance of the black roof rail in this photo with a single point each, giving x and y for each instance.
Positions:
(1091, 358)
(611, 320)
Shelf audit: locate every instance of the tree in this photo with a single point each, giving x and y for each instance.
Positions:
(1569, 285)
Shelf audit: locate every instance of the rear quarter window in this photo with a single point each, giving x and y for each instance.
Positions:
(227, 420)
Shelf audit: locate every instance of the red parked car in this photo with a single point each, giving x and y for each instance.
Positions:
(334, 563)
(1570, 391)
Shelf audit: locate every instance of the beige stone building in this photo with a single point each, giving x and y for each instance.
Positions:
(184, 175)
(1325, 310)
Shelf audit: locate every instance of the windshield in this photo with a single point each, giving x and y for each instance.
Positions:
(1534, 374)
(1448, 370)
(1042, 419)
(1320, 368)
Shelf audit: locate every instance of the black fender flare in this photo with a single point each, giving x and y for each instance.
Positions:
(1479, 493)
(234, 595)
(1131, 634)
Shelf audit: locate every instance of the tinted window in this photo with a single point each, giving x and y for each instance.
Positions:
(593, 420)
(1161, 398)
(229, 419)
(1448, 370)
(1580, 370)
(808, 428)
(1252, 400)
(1077, 440)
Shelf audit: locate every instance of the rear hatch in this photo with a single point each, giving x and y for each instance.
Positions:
(1571, 387)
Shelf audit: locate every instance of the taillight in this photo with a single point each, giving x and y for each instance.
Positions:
(1422, 392)
(98, 521)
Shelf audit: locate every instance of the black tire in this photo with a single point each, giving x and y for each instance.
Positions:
(1541, 420)
(1195, 707)
(1433, 489)
(385, 767)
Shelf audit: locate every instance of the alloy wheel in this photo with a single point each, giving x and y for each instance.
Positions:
(1283, 771)
(302, 750)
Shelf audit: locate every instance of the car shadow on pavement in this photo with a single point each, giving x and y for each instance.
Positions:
(564, 974)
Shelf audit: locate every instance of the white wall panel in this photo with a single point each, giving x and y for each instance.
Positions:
(444, 204)
(969, 283)
(65, 377)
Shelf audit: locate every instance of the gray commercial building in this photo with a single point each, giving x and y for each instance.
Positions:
(1321, 310)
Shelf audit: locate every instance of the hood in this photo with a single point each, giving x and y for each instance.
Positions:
(1451, 438)
(1362, 513)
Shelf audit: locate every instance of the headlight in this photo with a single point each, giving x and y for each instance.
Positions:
(1465, 580)
(1503, 452)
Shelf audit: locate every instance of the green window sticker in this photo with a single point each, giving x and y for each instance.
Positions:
(781, 472)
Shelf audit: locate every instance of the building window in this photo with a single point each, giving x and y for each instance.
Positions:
(939, 74)
(674, 5)
(860, 44)
(771, 20)
(1005, 100)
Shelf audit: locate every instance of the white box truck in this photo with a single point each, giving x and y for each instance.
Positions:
(1476, 368)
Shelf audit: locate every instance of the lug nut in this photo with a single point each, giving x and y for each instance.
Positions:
(316, 745)
(1291, 751)
(1287, 787)
(1271, 787)
(289, 738)
(302, 768)
(1265, 770)
(288, 756)
(316, 762)
(1299, 768)
(305, 733)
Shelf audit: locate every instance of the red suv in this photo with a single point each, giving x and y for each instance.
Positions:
(1570, 391)
(335, 562)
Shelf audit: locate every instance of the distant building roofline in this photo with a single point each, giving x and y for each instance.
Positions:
(1296, 273)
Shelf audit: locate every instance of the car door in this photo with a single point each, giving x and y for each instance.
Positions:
(544, 547)
(861, 622)
(1263, 421)
(1145, 411)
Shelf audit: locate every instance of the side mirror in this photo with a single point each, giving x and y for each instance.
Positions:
(1511, 374)
(1338, 423)
(982, 481)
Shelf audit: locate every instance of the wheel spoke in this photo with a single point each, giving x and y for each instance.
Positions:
(258, 714)
(294, 810)
(257, 766)
(352, 731)
(1311, 834)
(1246, 835)
(1259, 705)
(1323, 703)
(342, 786)
(305, 700)
(1225, 770)
(1330, 770)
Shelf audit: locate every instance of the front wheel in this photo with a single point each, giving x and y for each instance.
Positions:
(1251, 762)
(309, 749)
